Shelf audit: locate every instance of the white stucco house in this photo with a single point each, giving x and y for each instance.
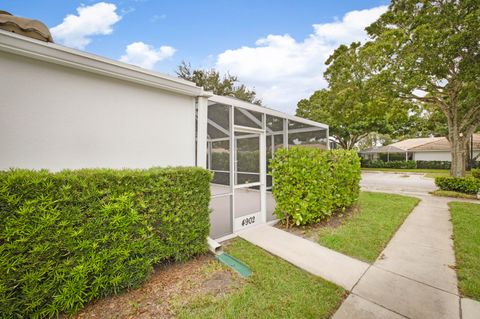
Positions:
(62, 108)
(418, 149)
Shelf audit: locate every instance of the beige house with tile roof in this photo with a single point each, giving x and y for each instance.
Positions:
(419, 149)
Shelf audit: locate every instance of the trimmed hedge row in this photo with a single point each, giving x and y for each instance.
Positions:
(310, 184)
(69, 237)
(434, 164)
(391, 164)
(467, 185)
(411, 164)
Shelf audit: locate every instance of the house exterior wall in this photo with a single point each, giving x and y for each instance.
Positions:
(436, 156)
(57, 117)
(432, 156)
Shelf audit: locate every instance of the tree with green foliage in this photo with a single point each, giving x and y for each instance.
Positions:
(351, 106)
(211, 80)
(431, 122)
(429, 52)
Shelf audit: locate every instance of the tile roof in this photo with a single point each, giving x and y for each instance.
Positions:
(420, 144)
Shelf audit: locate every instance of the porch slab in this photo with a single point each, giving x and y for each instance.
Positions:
(318, 260)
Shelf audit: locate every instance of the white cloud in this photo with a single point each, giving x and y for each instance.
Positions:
(144, 55)
(76, 30)
(284, 70)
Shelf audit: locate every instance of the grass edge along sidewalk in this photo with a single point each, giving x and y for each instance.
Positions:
(365, 234)
(466, 238)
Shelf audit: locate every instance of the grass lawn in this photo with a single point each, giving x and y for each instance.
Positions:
(365, 234)
(443, 193)
(276, 289)
(466, 233)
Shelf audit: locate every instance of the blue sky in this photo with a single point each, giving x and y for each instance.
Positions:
(278, 47)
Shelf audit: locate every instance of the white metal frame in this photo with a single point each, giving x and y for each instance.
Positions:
(261, 109)
(262, 132)
(260, 216)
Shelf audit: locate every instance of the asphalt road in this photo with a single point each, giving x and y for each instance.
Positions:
(397, 182)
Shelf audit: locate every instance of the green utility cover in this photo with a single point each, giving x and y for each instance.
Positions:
(235, 264)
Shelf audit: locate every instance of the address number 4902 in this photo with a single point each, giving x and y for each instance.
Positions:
(248, 221)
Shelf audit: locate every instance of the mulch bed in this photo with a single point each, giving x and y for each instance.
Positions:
(310, 232)
(168, 288)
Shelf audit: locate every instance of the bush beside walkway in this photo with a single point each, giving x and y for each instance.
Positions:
(73, 236)
(310, 184)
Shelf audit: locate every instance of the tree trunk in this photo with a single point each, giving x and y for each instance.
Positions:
(459, 155)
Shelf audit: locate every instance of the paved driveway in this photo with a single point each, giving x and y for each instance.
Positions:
(396, 182)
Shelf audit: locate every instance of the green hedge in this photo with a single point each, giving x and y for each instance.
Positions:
(434, 164)
(391, 164)
(411, 164)
(476, 172)
(467, 185)
(69, 237)
(310, 184)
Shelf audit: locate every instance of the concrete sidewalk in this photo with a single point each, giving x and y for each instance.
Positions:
(414, 277)
(318, 260)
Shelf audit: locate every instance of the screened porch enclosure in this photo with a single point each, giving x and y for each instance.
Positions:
(241, 139)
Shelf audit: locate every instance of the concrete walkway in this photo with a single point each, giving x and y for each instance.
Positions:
(340, 269)
(414, 276)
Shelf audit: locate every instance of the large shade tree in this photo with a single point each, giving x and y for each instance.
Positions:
(429, 52)
(350, 105)
(212, 80)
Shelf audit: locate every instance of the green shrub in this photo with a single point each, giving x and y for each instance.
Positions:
(69, 237)
(467, 185)
(309, 183)
(476, 172)
(392, 164)
(434, 164)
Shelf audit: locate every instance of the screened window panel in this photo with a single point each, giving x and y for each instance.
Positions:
(219, 162)
(315, 138)
(247, 160)
(292, 125)
(274, 143)
(220, 115)
(274, 123)
(247, 118)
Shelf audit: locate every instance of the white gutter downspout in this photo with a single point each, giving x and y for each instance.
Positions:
(202, 122)
(214, 246)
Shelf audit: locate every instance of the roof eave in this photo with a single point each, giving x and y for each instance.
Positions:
(57, 54)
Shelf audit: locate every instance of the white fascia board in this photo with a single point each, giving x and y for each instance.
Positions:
(57, 54)
(262, 109)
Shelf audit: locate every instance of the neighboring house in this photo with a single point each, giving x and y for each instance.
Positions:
(418, 149)
(62, 108)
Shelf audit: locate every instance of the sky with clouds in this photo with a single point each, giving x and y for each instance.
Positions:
(277, 47)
